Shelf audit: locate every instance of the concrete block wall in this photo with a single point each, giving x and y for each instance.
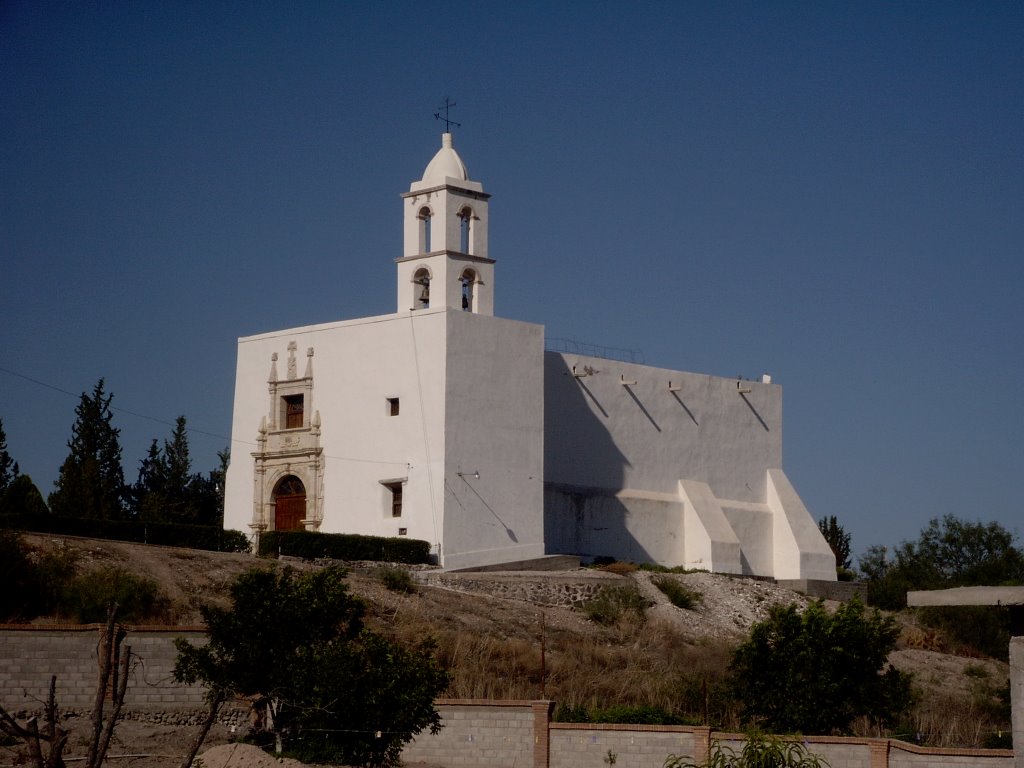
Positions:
(499, 734)
(30, 655)
(903, 755)
(586, 745)
(838, 751)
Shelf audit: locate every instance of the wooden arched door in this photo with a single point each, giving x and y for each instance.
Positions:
(289, 504)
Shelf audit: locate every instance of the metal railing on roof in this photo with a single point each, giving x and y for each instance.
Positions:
(573, 347)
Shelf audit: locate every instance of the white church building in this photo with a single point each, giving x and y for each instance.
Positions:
(445, 423)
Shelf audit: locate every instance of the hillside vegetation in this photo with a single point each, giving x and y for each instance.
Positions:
(641, 659)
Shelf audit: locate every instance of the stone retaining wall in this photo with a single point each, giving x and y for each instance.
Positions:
(551, 588)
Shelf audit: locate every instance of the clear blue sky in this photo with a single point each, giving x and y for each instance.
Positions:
(829, 192)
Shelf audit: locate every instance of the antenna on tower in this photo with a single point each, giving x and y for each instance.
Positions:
(448, 104)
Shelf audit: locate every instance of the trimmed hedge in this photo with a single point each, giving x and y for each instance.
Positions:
(208, 537)
(310, 545)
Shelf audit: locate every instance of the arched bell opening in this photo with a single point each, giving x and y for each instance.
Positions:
(421, 290)
(424, 217)
(468, 282)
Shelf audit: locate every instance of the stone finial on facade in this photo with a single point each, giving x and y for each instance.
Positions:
(273, 367)
(309, 363)
(261, 437)
(293, 367)
(315, 423)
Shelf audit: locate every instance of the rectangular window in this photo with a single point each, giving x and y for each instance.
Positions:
(402, 531)
(293, 411)
(396, 498)
(392, 406)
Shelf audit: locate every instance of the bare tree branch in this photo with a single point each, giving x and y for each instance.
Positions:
(215, 698)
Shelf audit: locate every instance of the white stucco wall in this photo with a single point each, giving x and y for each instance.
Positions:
(678, 468)
(494, 427)
(357, 365)
(487, 370)
(602, 434)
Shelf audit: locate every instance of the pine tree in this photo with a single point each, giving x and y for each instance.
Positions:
(207, 493)
(8, 467)
(167, 491)
(91, 480)
(838, 540)
(179, 481)
(147, 495)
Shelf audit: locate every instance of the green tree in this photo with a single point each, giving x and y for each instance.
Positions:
(167, 490)
(950, 552)
(8, 466)
(328, 689)
(22, 497)
(20, 579)
(91, 480)
(815, 672)
(960, 553)
(146, 496)
(838, 540)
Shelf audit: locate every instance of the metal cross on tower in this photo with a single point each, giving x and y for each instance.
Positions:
(448, 104)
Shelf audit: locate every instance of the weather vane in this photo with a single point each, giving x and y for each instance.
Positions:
(448, 104)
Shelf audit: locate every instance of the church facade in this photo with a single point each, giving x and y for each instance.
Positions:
(445, 423)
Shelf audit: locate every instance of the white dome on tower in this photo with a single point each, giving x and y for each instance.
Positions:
(446, 164)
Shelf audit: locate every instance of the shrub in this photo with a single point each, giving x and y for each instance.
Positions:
(680, 595)
(623, 714)
(655, 568)
(611, 603)
(759, 751)
(88, 596)
(20, 579)
(311, 545)
(397, 580)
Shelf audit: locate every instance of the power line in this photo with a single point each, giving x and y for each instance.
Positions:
(192, 430)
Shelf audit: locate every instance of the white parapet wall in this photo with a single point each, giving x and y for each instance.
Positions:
(1017, 698)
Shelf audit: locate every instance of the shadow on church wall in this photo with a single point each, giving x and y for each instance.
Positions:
(583, 468)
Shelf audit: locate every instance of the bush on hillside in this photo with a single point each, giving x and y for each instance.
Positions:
(680, 595)
(814, 672)
(89, 595)
(397, 580)
(612, 603)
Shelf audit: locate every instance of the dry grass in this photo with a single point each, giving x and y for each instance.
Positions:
(493, 650)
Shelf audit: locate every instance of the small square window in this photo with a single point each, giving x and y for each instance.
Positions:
(402, 531)
(392, 406)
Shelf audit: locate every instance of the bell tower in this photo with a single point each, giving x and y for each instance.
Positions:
(444, 260)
